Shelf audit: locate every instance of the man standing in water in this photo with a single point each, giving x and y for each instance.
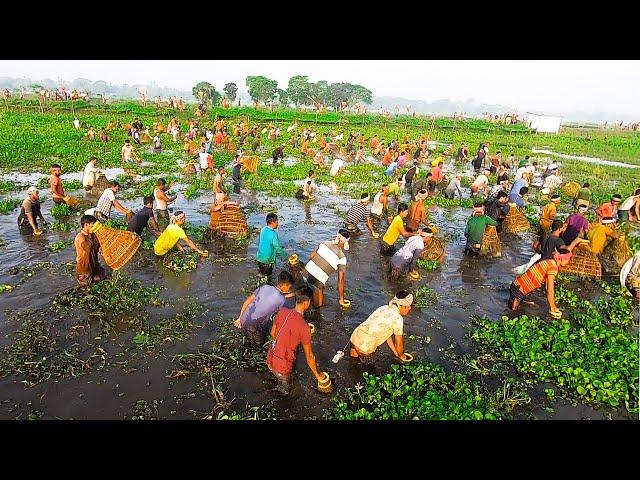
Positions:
(269, 246)
(218, 182)
(474, 231)
(328, 257)
(29, 211)
(89, 176)
(359, 212)
(88, 268)
(235, 174)
(162, 201)
(289, 330)
(57, 191)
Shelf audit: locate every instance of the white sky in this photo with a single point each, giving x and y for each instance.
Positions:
(547, 86)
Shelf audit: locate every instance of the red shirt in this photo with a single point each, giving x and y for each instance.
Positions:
(436, 174)
(291, 330)
(608, 209)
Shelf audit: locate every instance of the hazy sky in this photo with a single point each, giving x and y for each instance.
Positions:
(546, 86)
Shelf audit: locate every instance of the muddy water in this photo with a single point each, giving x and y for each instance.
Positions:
(466, 287)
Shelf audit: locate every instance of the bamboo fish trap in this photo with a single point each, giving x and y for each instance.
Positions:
(584, 262)
(249, 164)
(491, 246)
(571, 189)
(100, 185)
(618, 251)
(189, 169)
(229, 221)
(434, 251)
(515, 221)
(118, 246)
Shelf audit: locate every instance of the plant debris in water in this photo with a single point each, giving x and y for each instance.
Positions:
(425, 297)
(179, 262)
(59, 245)
(170, 329)
(428, 265)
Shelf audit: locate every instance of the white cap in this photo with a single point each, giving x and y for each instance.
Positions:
(31, 190)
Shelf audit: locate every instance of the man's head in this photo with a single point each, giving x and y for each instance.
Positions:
(115, 186)
(616, 199)
(56, 169)
(429, 175)
(524, 191)
(178, 218)
(86, 222)
(426, 233)
(285, 282)
(364, 198)
(403, 209)
(503, 197)
(562, 256)
(33, 193)
(586, 185)
(342, 239)
(385, 189)
(478, 208)
(557, 226)
(127, 142)
(403, 301)
(421, 195)
(311, 173)
(303, 298)
(94, 160)
(555, 198)
(148, 201)
(222, 172)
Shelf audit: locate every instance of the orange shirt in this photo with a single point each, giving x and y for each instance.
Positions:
(536, 275)
(373, 143)
(386, 160)
(608, 209)
(436, 174)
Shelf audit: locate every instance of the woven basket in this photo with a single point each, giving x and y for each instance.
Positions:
(584, 263)
(491, 246)
(515, 221)
(189, 169)
(249, 164)
(73, 202)
(100, 186)
(571, 189)
(118, 246)
(618, 251)
(434, 251)
(230, 221)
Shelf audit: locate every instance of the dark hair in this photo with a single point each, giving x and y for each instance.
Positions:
(113, 183)
(637, 192)
(162, 181)
(498, 152)
(402, 207)
(427, 230)
(478, 204)
(308, 182)
(617, 196)
(502, 194)
(93, 158)
(285, 277)
(344, 233)
(364, 195)
(410, 229)
(147, 199)
(563, 250)
(55, 165)
(271, 218)
(586, 185)
(304, 294)
(526, 157)
(557, 225)
(311, 172)
(428, 174)
(524, 190)
(535, 164)
(402, 294)
(87, 219)
(127, 141)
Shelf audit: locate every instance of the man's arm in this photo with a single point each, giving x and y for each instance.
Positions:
(311, 360)
(275, 243)
(399, 346)
(250, 299)
(32, 221)
(341, 283)
(192, 245)
(491, 221)
(120, 208)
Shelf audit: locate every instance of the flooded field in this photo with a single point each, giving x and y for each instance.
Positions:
(124, 381)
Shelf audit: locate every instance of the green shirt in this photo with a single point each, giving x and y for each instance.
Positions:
(584, 194)
(475, 227)
(394, 188)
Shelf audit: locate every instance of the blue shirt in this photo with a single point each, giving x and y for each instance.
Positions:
(517, 199)
(392, 168)
(269, 246)
(267, 302)
(517, 185)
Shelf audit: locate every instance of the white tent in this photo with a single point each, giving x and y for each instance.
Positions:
(543, 123)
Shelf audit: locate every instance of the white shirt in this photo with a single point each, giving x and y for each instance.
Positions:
(335, 166)
(160, 204)
(628, 203)
(204, 160)
(481, 182)
(89, 176)
(76, 124)
(377, 206)
(106, 202)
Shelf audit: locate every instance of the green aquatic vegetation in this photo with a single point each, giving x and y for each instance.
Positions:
(444, 202)
(588, 358)
(8, 186)
(63, 226)
(117, 223)
(428, 265)
(144, 410)
(59, 245)
(8, 205)
(61, 210)
(170, 329)
(425, 297)
(5, 287)
(30, 270)
(178, 262)
(420, 391)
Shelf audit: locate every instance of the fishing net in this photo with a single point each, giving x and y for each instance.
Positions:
(229, 221)
(515, 221)
(571, 189)
(618, 251)
(584, 262)
(117, 246)
(491, 246)
(433, 251)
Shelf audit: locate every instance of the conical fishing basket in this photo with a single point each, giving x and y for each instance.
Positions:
(118, 246)
(231, 221)
(100, 186)
(491, 246)
(249, 164)
(571, 188)
(618, 250)
(434, 251)
(189, 169)
(584, 263)
(73, 202)
(515, 221)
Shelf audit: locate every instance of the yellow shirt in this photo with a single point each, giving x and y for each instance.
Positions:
(375, 330)
(393, 232)
(598, 237)
(549, 212)
(168, 239)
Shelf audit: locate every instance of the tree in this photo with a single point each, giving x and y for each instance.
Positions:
(262, 89)
(230, 91)
(205, 92)
(300, 90)
(283, 97)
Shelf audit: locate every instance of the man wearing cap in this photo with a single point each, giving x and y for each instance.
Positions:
(269, 246)
(328, 257)
(385, 324)
(610, 208)
(599, 235)
(577, 225)
(359, 213)
(29, 212)
(404, 260)
(549, 212)
(534, 277)
(88, 268)
(474, 232)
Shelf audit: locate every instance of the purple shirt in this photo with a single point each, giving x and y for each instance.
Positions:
(575, 224)
(267, 302)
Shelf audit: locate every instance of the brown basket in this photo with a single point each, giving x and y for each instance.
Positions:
(584, 263)
(434, 251)
(491, 246)
(571, 189)
(618, 251)
(249, 164)
(230, 221)
(515, 221)
(73, 202)
(189, 169)
(100, 185)
(118, 246)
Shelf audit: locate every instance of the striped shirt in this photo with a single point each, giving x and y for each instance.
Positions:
(106, 202)
(329, 258)
(536, 275)
(357, 213)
